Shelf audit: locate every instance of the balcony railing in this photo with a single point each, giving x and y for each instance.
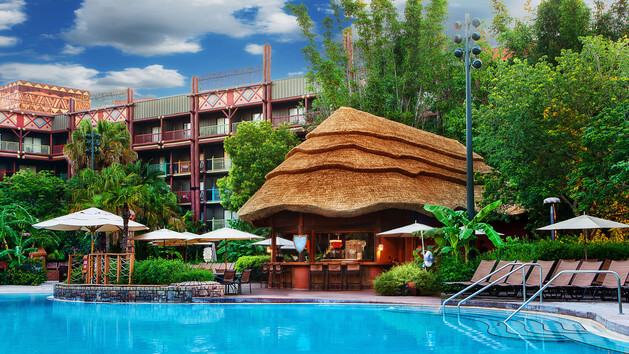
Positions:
(235, 126)
(177, 134)
(220, 129)
(57, 149)
(297, 119)
(9, 145)
(36, 149)
(162, 168)
(184, 196)
(215, 224)
(211, 195)
(6, 173)
(218, 164)
(181, 167)
(146, 138)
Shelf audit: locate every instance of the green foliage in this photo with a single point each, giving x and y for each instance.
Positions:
(163, 272)
(252, 262)
(613, 22)
(41, 194)
(115, 146)
(513, 249)
(452, 270)
(393, 282)
(255, 150)
(17, 235)
(29, 273)
(237, 249)
(459, 229)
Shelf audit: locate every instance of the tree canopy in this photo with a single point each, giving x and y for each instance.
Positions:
(255, 150)
(42, 194)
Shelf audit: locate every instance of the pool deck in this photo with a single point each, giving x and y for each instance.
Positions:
(604, 313)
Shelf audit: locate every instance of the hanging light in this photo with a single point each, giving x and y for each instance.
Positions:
(380, 247)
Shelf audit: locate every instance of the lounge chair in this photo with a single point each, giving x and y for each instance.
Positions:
(484, 268)
(582, 282)
(229, 280)
(609, 285)
(532, 282)
(556, 289)
(513, 284)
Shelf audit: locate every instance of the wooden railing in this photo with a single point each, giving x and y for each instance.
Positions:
(57, 149)
(220, 129)
(146, 138)
(9, 145)
(177, 134)
(101, 268)
(297, 119)
(184, 196)
(181, 167)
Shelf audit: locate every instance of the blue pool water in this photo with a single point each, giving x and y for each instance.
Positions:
(33, 324)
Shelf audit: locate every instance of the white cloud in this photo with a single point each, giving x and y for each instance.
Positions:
(157, 27)
(11, 13)
(72, 50)
(8, 41)
(255, 49)
(80, 77)
(296, 73)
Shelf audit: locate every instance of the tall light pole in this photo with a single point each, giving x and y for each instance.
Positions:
(92, 144)
(553, 213)
(477, 64)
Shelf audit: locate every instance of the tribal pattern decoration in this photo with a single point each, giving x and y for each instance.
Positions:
(248, 95)
(238, 96)
(118, 114)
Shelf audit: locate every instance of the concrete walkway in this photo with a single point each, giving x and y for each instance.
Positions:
(604, 313)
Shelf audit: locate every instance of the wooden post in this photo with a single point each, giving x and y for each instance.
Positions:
(98, 269)
(131, 263)
(312, 246)
(106, 276)
(118, 270)
(70, 270)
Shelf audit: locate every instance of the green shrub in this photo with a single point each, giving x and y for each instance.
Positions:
(252, 262)
(393, 282)
(29, 273)
(3, 278)
(451, 270)
(513, 249)
(164, 271)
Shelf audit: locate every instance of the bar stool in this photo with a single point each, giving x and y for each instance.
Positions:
(335, 276)
(265, 275)
(316, 271)
(352, 276)
(286, 277)
(276, 273)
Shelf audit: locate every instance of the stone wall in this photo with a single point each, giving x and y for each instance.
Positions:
(174, 293)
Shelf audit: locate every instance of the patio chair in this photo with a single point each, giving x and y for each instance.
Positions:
(229, 280)
(609, 285)
(245, 278)
(484, 268)
(582, 282)
(556, 289)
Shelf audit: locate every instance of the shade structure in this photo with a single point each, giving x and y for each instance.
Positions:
(584, 222)
(481, 232)
(162, 235)
(92, 220)
(226, 234)
(407, 231)
(279, 241)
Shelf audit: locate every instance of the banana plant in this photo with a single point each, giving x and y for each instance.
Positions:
(459, 230)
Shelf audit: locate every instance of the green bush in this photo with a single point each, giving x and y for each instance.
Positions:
(252, 262)
(29, 273)
(513, 249)
(451, 270)
(393, 282)
(3, 277)
(164, 271)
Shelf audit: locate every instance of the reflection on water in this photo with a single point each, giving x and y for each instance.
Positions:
(35, 325)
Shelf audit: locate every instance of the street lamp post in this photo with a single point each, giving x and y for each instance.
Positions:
(92, 143)
(477, 64)
(553, 213)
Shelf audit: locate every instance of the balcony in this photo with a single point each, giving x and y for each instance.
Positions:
(215, 164)
(177, 135)
(184, 196)
(9, 145)
(220, 129)
(5, 174)
(161, 168)
(57, 149)
(181, 167)
(211, 195)
(146, 138)
(235, 126)
(297, 119)
(215, 224)
(36, 149)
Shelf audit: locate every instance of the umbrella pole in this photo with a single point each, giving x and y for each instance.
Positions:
(423, 248)
(586, 244)
(225, 254)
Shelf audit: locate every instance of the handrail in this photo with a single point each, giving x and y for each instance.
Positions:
(573, 272)
(442, 308)
(522, 266)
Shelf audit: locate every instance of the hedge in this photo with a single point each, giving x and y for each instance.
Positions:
(164, 272)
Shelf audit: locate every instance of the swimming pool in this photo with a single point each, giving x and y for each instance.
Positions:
(33, 324)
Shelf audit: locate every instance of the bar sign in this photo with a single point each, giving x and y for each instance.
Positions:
(300, 242)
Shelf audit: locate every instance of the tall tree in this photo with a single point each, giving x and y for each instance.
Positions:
(115, 146)
(255, 150)
(41, 194)
(611, 22)
(383, 72)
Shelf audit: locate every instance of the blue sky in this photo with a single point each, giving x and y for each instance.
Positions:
(156, 46)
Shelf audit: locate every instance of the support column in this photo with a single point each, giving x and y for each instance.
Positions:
(194, 153)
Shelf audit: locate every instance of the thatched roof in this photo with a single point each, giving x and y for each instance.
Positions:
(356, 163)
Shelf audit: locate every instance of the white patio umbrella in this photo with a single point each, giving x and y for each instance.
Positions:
(584, 222)
(279, 241)
(411, 231)
(162, 236)
(92, 220)
(226, 234)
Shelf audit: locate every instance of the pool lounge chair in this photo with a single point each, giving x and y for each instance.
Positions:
(556, 289)
(610, 283)
(513, 284)
(484, 268)
(532, 281)
(582, 283)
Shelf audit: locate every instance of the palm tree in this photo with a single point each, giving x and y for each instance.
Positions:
(115, 146)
